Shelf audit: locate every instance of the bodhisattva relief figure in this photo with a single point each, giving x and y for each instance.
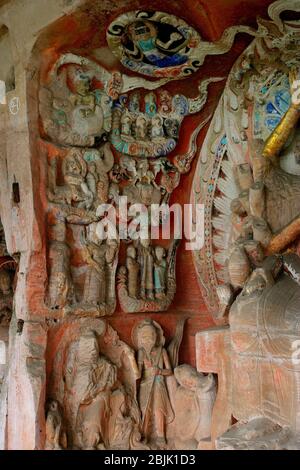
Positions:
(147, 269)
(111, 259)
(193, 406)
(268, 202)
(89, 379)
(264, 213)
(60, 285)
(74, 192)
(133, 270)
(160, 272)
(100, 162)
(6, 297)
(54, 429)
(153, 397)
(147, 283)
(71, 110)
(69, 206)
(263, 295)
(94, 293)
(100, 256)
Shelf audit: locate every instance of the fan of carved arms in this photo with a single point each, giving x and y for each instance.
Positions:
(250, 202)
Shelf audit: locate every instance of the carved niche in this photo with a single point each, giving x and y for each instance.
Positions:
(102, 394)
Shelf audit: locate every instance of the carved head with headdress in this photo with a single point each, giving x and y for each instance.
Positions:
(74, 167)
(147, 335)
(78, 80)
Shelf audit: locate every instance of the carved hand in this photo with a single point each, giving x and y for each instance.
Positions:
(155, 371)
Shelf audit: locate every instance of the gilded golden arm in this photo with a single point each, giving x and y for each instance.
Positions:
(280, 135)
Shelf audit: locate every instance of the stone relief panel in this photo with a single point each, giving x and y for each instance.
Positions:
(104, 136)
(108, 136)
(81, 266)
(158, 44)
(8, 268)
(248, 178)
(93, 384)
(7, 70)
(103, 394)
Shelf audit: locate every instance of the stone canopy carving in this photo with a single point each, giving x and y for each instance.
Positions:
(158, 44)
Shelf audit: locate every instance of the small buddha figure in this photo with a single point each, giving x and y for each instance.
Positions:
(95, 281)
(150, 105)
(126, 123)
(133, 269)
(147, 265)
(157, 130)
(165, 102)
(172, 127)
(134, 103)
(141, 128)
(89, 380)
(160, 272)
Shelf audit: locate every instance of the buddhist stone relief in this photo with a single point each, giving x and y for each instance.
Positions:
(107, 136)
(249, 265)
(147, 283)
(110, 112)
(103, 394)
(158, 44)
(71, 215)
(93, 385)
